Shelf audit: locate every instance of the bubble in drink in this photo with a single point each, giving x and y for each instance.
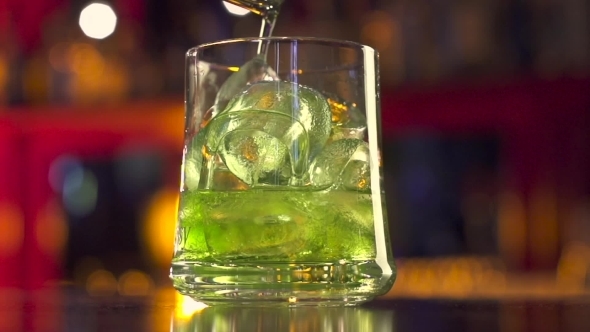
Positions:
(253, 71)
(342, 163)
(304, 104)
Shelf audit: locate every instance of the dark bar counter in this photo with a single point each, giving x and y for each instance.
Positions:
(65, 308)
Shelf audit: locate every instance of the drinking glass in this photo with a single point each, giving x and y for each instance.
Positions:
(282, 199)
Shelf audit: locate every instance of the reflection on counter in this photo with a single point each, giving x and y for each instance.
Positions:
(227, 319)
(460, 277)
(164, 310)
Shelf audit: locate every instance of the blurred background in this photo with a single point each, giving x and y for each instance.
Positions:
(486, 123)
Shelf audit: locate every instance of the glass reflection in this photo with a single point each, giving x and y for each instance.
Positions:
(303, 319)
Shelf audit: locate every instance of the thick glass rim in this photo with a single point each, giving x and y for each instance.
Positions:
(314, 40)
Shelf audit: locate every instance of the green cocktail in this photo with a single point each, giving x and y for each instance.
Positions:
(281, 199)
(277, 226)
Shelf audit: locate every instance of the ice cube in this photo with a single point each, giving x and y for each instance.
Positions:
(348, 120)
(356, 176)
(259, 147)
(194, 157)
(255, 157)
(304, 104)
(223, 179)
(251, 72)
(192, 173)
(343, 163)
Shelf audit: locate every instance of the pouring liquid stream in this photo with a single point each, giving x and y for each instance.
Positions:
(257, 68)
(268, 10)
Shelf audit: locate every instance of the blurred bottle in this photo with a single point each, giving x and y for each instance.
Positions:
(10, 61)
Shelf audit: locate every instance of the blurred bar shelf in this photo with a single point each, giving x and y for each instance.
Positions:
(542, 125)
(38, 136)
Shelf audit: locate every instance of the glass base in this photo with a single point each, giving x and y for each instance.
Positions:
(281, 284)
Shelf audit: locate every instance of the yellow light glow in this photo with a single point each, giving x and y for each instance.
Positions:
(85, 268)
(52, 230)
(159, 226)
(162, 319)
(13, 229)
(544, 237)
(512, 228)
(135, 283)
(35, 84)
(456, 277)
(101, 283)
(98, 20)
(235, 10)
(378, 30)
(84, 59)
(186, 307)
(58, 57)
(4, 73)
(233, 69)
(574, 263)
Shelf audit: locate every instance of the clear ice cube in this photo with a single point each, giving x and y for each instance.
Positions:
(348, 120)
(304, 104)
(255, 157)
(258, 147)
(192, 174)
(253, 71)
(356, 176)
(223, 179)
(194, 158)
(343, 163)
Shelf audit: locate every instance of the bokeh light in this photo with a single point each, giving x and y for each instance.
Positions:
(84, 268)
(4, 75)
(78, 186)
(80, 193)
(13, 229)
(378, 30)
(101, 283)
(159, 225)
(451, 277)
(573, 268)
(234, 9)
(98, 20)
(512, 228)
(135, 283)
(52, 230)
(84, 59)
(61, 166)
(186, 307)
